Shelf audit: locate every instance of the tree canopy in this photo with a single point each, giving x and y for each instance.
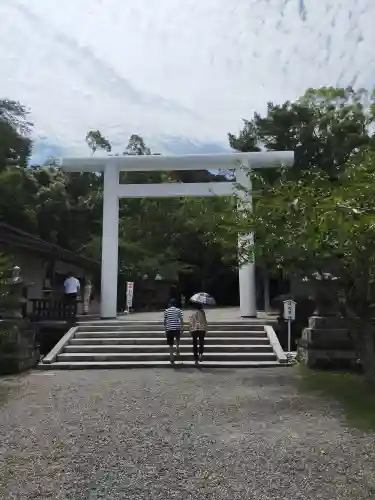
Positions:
(324, 128)
(323, 231)
(95, 141)
(329, 129)
(156, 236)
(15, 144)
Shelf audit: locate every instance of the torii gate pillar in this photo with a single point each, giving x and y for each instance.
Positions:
(113, 190)
(246, 272)
(109, 271)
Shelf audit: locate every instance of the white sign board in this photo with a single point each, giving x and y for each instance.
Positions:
(289, 310)
(129, 294)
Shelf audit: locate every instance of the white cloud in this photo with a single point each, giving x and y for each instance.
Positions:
(169, 68)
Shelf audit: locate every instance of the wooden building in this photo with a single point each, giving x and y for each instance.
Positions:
(44, 267)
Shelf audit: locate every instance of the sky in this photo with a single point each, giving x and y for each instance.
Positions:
(180, 73)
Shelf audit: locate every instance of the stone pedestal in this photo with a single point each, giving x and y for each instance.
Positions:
(18, 347)
(326, 342)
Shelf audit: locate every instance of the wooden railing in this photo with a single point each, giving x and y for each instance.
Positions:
(53, 310)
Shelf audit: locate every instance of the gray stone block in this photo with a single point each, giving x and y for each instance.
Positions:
(326, 338)
(327, 342)
(315, 358)
(18, 348)
(327, 322)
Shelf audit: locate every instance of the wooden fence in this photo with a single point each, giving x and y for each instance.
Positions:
(53, 310)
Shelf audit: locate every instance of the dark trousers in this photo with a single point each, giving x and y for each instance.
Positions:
(70, 300)
(198, 338)
(173, 336)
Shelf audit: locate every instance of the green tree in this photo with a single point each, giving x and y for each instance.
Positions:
(324, 128)
(313, 227)
(164, 236)
(17, 203)
(173, 235)
(66, 202)
(136, 146)
(148, 227)
(15, 143)
(96, 140)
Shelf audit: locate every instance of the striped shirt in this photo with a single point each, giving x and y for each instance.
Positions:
(173, 319)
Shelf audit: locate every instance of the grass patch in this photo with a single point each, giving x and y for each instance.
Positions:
(355, 394)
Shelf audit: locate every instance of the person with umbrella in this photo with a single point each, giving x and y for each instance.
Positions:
(198, 323)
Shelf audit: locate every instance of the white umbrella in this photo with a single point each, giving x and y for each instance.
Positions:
(203, 298)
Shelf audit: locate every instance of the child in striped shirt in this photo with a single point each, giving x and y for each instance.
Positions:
(173, 324)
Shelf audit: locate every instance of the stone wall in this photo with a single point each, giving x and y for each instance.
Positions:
(18, 347)
(326, 342)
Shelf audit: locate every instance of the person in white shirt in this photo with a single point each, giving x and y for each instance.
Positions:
(71, 288)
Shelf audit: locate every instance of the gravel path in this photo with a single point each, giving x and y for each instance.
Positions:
(176, 434)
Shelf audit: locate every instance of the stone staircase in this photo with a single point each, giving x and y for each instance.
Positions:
(130, 344)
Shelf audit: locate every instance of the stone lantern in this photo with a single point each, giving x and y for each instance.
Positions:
(326, 294)
(327, 341)
(18, 348)
(14, 300)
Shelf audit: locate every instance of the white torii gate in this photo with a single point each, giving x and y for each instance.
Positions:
(113, 191)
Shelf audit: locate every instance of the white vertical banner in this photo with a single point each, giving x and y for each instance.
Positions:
(129, 295)
(289, 316)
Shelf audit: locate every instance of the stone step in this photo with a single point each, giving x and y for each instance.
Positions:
(141, 334)
(106, 365)
(254, 321)
(159, 327)
(132, 344)
(161, 356)
(184, 348)
(185, 339)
